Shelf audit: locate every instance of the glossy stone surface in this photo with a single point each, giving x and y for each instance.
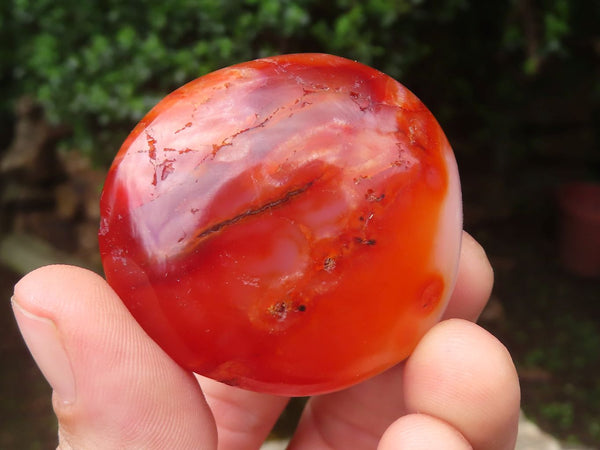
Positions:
(287, 225)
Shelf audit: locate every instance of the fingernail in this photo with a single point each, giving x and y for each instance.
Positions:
(43, 340)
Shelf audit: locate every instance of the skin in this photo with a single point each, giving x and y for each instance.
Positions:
(115, 388)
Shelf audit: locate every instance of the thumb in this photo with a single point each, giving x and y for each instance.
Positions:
(113, 386)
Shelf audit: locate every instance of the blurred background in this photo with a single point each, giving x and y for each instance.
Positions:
(514, 83)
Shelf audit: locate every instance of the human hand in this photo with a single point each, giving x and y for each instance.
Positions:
(115, 388)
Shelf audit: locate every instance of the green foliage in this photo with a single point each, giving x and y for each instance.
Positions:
(559, 412)
(99, 66)
(558, 355)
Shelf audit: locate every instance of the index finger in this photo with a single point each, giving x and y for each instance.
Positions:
(357, 417)
(474, 282)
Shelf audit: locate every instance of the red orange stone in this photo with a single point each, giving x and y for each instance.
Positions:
(287, 225)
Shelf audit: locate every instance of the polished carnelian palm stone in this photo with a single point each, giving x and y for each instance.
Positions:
(287, 225)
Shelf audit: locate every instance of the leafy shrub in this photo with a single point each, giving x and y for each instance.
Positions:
(99, 66)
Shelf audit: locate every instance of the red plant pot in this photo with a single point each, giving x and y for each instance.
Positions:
(579, 228)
